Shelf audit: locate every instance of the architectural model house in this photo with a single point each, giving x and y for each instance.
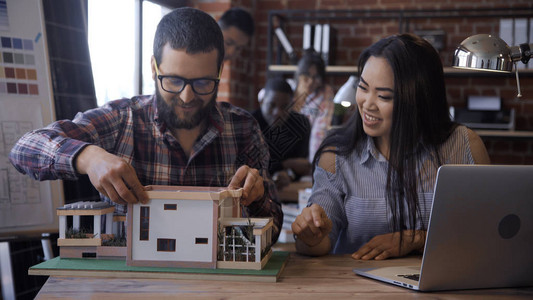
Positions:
(197, 227)
(75, 243)
(193, 227)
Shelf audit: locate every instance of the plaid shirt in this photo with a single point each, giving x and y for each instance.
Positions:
(130, 129)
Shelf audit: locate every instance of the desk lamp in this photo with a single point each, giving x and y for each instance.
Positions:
(344, 101)
(490, 53)
(346, 94)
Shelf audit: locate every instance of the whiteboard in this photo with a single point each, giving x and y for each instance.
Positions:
(27, 206)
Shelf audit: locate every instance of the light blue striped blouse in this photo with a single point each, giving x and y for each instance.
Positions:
(354, 196)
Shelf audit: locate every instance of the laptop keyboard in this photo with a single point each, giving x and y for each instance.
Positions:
(415, 277)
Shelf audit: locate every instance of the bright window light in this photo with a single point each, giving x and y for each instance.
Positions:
(152, 14)
(111, 33)
(111, 44)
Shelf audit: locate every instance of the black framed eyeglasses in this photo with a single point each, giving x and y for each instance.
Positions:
(176, 84)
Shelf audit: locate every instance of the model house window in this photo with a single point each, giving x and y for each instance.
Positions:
(202, 240)
(170, 206)
(166, 245)
(145, 223)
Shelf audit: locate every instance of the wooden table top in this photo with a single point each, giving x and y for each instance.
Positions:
(328, 277)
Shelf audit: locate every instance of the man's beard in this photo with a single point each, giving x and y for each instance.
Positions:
(170, 118)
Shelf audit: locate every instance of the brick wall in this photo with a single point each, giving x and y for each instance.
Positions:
(244, 77)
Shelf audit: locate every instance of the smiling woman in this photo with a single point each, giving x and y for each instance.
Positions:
(374, 177)
(374, 100)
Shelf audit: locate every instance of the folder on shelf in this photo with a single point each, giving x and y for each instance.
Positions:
(318, 38)
(521, 35)
(514, 32)
(325, 43)
(286, 44)
(306, 37)
(328, 44)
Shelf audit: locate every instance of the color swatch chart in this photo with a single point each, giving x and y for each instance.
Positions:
(26, 103)
(4, 21)
(18, 74)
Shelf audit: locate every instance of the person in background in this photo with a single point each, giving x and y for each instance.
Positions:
(238, 28)
(374, 177)
(286, 132)
(178, 136)
(313, 98)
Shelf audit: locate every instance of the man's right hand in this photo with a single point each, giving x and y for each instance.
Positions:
(312, 225)
(111, 175)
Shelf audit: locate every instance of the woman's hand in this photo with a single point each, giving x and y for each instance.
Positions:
(312, 225)
(388, 245)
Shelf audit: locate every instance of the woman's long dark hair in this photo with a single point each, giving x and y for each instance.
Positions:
(420, 121)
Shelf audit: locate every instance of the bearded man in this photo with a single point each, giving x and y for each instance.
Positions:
(178, 136)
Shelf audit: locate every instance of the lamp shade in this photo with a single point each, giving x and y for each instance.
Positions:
(346, 94)
(483, 52)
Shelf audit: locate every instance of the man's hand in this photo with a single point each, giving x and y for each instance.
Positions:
(312, 225)
(251, 182)
(111, 175)
(388, 245)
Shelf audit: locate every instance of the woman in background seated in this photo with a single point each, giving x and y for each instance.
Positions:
(374, 177)
(313, 98)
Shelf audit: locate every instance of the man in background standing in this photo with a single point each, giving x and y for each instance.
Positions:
(237, 26)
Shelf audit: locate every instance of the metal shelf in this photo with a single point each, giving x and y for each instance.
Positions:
(282, 17)
(290, 69)
(510, 134)
(448, 71)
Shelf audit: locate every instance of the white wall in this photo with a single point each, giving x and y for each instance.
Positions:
(192, 219)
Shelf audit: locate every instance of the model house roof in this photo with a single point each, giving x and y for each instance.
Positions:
(191, 192)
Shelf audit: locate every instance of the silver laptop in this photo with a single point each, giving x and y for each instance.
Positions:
(480, 232)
